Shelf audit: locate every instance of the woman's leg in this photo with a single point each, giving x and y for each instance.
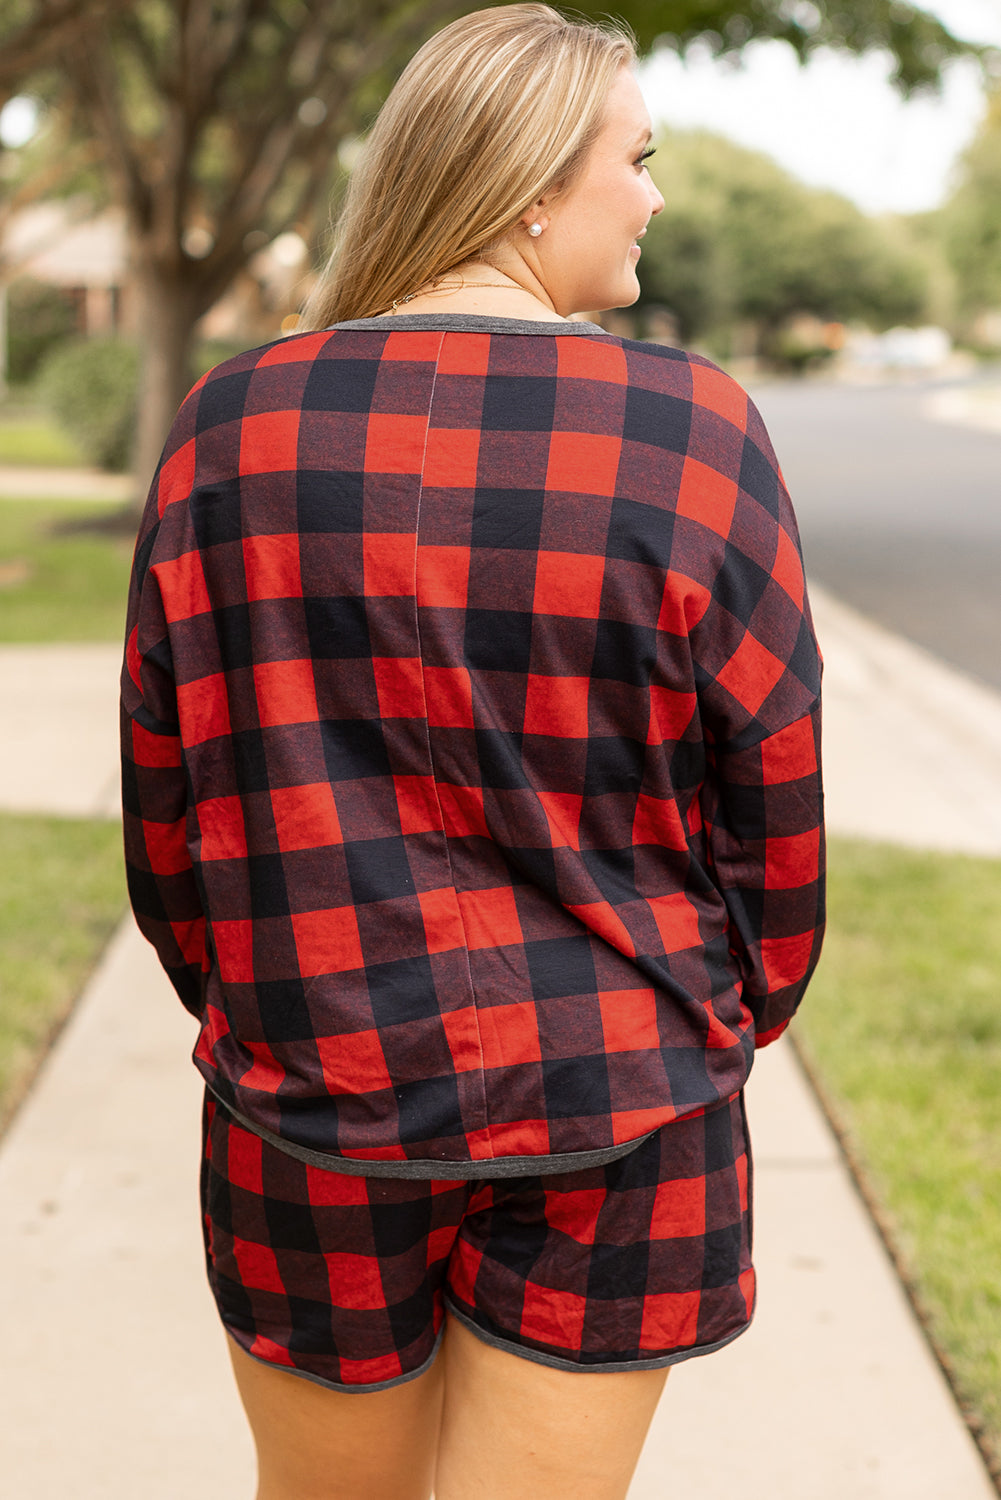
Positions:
(314, 1443)
(516, 1430)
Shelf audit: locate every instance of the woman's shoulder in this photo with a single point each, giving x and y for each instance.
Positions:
(666, 372)
(578, 350)
(671, 359)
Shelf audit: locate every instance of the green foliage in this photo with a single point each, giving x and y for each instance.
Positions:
(918, 42)
(919, 238)
(970, 222)
(741, 239)
(39, 317)
(62, 888)
(63, 576)
(915, 38)
(212, 122)
(60, 161)
(91, 386)
(903, 1028)
(684, 264)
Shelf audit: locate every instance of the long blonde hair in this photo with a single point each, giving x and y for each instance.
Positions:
(496, 109)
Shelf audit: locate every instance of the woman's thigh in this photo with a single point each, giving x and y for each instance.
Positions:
(565, 1289)
(513, 1429)
(314, 1443)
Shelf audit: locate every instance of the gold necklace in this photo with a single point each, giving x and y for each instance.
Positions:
(464, 286)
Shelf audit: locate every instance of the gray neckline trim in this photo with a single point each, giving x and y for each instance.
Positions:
(467, 323)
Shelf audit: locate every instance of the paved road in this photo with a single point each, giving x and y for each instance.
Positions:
(900, 515)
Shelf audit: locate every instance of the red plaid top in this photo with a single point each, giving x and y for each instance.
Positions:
(470, 726)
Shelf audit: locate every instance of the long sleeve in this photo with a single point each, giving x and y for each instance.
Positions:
(162, 885)
(760, 670)
(767, 843)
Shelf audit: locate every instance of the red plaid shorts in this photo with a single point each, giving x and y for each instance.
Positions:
(342, 1279)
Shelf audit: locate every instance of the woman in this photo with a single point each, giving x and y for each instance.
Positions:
(472, 804)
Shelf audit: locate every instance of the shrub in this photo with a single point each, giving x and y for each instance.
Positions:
(39, 317)
(91, 385)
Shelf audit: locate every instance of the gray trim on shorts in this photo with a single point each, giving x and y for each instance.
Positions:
(445, 322)
(660, 1362)
(536, 1356)
(423, 1169)
(334, 1385)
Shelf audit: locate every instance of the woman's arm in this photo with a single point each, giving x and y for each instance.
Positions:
(162, 886)
(759, 669)
(766, 840)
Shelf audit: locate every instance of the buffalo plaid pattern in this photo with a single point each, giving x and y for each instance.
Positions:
(470, 726)
(343, 1279)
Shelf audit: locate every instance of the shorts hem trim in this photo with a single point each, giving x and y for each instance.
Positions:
(557, 1362)
(334, 1385)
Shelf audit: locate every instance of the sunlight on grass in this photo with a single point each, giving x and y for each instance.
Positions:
(62, 889)
(35, 439)
(60, 586)
(902, 1026)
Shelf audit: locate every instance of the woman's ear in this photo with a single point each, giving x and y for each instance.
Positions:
(535, 220)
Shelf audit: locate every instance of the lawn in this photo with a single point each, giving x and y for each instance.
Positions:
(59, 584)
(902, 1030)
(62, 889)
(28, 435)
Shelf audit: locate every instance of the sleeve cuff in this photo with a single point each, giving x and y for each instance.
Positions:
(765, 1038)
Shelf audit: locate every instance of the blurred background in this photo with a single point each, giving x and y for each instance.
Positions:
(832, 173)
(169, 170)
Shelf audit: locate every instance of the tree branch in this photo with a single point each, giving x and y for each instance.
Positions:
(55, 25)
(92, 77)
(227, 47)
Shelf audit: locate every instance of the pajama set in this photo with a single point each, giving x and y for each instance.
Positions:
(472, 804)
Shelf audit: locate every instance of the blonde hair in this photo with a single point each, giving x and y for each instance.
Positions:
(496, 109)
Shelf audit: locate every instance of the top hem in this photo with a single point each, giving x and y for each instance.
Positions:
(496, 1166)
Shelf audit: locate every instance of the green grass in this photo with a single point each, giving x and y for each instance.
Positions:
(33, 437)
(62, 889)
(902, 1028)
(60, 586)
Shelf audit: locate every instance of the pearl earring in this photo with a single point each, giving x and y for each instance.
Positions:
(535, 230)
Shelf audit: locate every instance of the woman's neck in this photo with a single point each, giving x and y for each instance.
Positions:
(478, 288)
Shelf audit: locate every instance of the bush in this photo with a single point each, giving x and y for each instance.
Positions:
(39, 317)
(794, 354)
(91, 386)
(212, 352)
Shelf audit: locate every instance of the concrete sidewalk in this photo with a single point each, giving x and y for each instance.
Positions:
(32, 482)
(115, 1380)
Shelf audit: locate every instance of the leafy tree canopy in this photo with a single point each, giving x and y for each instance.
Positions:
(970, 221)
(216, 122)
(741, 239)
(918, 42)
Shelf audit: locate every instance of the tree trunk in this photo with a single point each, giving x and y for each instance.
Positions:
(168, 311)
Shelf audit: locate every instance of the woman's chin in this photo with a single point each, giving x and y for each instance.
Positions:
(623, 295)
(631, 294)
